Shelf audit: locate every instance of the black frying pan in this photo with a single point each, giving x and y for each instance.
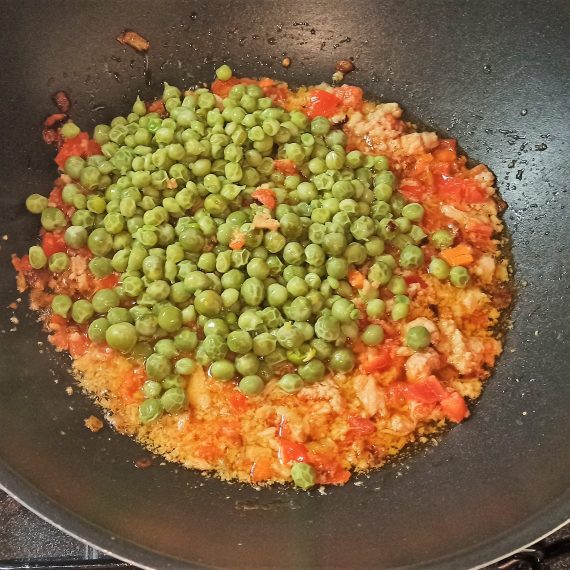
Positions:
(494, 75)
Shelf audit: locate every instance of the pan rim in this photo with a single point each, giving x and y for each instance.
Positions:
(547, 521)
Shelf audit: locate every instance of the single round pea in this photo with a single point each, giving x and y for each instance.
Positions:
(247, 364)
(104, 299)
(375, 308)
(459, 277)
(121, 337)
(208, 303)
(223, 370)
(342, 360)
(411, 257)
(97, 329)
(158, 367)
(439, 268)
(413, 212)
(442, 239)
(290, 383)
(61, 304)
(418, 337)
(75, 236)
(52, 219)
(400, 311)
(173, 399)
(224, 72)
(151, 389)
(184, 366)
(150, 410)
(37, 257)
(372, 335)
(58, 262)
(36, 203)
(81, 311)
(303, 475)
(170, 318)
(251, 385)
(312, 371)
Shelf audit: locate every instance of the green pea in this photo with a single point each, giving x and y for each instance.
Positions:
(312, 371)
(413, 212)
(251, 385)
(36, 203)
(97, 330)
(150, 410)
(411, 257)
(303, 475)
(81, 311)
(459, 277)
(223, 370)
(372, 335)
(208, 303)
(400, 311)
(264, 344)
(61, 304)
(439, 268)
(375, 308)
(342, 360)
(52, 219)
(184, 366)
(37, 257)
(121, 336)
(290, 383)
(442, 239)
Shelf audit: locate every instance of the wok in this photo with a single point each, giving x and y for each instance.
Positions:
(492, 74)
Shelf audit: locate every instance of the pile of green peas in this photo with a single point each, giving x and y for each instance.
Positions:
(162, 202)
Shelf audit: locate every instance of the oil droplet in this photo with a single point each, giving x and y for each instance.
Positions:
(540, 147)
(487, 68)
(271, 41)
(524, 112)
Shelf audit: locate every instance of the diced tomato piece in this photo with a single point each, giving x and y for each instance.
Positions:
(454, 407)
(447, 144)
(78, 344)
(350, 96)
(238, 402)
(460, 190)
(356, 279)
(76, 146)
(322, 104)
(361, 426)
(329, 469)
(292, 451)
(57, 320)
(285, 166)
(237, 241)
(428, 391)
(265, 196)
(222, 88)
(277, 92)
(261, 470)
(410, 279)
(412, 189)
(107, 282)
(132, 384)
(53, 242)
(157, 107)
(54, 119)
(21, 264)
(378, 359)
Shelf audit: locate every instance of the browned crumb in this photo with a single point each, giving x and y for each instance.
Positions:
(286, 62)
(69, 392)
(134, 40)
(143, 463)
(93, 424)
(345, 66)
(62, 102)
(13, 305)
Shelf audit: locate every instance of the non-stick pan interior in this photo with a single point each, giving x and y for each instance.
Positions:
(493, 75)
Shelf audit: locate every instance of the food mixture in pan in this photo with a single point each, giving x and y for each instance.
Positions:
(269, 284)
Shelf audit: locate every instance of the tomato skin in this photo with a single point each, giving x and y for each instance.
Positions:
(349, 95)
(454, 407)
(238, 402)
(53, 242)
(156, 107)
(361, 426)
(21, 264)
(292, 451)
(285, 166)
(107, 282)
(322, 104)
(460, 190)
(265, 196)
(428, 391)
(76, 146)
(379, 359)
